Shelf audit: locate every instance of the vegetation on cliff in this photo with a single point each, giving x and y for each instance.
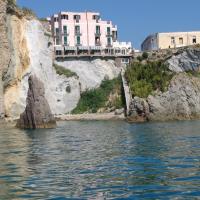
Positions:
(108, 95)
(144, 78)
(14, 9)
(63, 71)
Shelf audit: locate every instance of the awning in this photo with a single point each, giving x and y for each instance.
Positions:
(58, 48)
(83, 48)
(69, 48)
(96, 48)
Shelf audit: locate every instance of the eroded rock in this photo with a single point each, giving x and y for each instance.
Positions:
(37, 113)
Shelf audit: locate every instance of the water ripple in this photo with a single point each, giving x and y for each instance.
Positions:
(101, 160)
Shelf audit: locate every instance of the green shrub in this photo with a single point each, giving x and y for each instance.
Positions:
(28, 12)
(145, 55)
(146, 78)
(193, 73)
(11, 2)
(63, 71)
(92, 100)
(139, 58)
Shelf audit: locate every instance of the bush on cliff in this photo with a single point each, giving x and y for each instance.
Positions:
(92, 100)
(11, 2)
(143, 79)
(63, 71)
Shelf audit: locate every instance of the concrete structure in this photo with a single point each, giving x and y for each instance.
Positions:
(83, 34)
(170, 40)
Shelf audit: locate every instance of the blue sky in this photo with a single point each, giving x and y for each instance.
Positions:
(135, 18)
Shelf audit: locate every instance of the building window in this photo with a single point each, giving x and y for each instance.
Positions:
(57, 41)
(77, 30)
(109, 41)
(95, 17)
(64, 17)
(57, 31)
(114, 36)
(78, 40)
(97, 41)
(58, 52)
(77, 18)
(125, 60)
(108, 31)
(194, 40)
(55, 19)
(65, 29)
(180, 40)
(98, 30)
(173, 40)
(65, 40)
(123, 51)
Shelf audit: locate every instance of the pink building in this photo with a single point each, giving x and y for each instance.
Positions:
(85, 33)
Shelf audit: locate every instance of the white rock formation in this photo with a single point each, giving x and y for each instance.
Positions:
(91, 73)
(40, 53)
(32, 53)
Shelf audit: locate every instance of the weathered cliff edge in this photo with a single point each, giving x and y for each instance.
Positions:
(182, 99)
(37, 113)
(26, 49)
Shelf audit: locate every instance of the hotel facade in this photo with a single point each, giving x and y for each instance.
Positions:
(85, 33)
(170, 40)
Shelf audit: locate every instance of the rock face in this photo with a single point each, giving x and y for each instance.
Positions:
(4, 50)
(181, 101)
(91, 72)
(37, 113)
(32, 53)
(187, 59)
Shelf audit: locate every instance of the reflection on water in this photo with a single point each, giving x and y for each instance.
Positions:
(101, 160)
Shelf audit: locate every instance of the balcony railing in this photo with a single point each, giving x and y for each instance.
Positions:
(108, 34)
(109, 45)
(97, 43)
(98, 33)
(78, 33)
(65, 32)
(78, 44)
(66, 44)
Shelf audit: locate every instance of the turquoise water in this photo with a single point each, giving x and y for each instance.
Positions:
(101, 160)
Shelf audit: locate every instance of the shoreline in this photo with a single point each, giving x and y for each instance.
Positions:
(90, 117)
(77, 117)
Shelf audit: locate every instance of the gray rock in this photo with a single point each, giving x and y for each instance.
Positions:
(180, 102)
(119, 111)
(139, 109)
(37, 113)
(185, 60)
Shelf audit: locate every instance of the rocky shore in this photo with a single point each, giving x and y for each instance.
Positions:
(90, 117)
(181, 100)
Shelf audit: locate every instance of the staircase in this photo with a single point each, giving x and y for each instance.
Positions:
(127, 92)
(1, 97)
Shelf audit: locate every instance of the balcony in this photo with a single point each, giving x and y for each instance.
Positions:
(109, 45)
(78, 33)
(66, 44)
(97, 34)
(65, 33)
(108, 34)
(97, 44)
(78, 44)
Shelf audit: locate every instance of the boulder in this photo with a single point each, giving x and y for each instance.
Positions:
(37, 113)
(185, 60)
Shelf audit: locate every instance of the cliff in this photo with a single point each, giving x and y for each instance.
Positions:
(181, 99)
(27, 49)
